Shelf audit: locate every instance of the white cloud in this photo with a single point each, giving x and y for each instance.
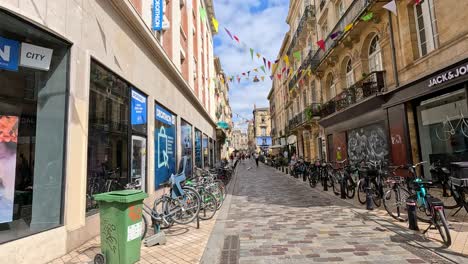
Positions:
(263, 31)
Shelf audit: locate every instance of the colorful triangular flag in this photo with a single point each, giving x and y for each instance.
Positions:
(251, 53)
(279, 76)
(269, 65)
(263, 68)
(348, 27)
(228, 32)
(255, 70)
(391, 6)
(263, 78)
(237, 39)
(286, 59)
(258, 55)
(215, 24)
(334, 35)
(297, 55)
(202, 13)
(321, 44)
(367, 16)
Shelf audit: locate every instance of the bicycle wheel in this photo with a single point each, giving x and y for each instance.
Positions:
(350, 187)
(218, 194)
(335, 185)
(361, 187)
(187, 208)
(455, 201)
(444, 134)
(421, 211)
(313, 179)
(208, 207)
(376, 194)
(144, 228)
(442, 226)
(395, 203)
(166, 205)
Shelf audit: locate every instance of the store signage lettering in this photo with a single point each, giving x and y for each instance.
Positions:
(9, 51)
(447, 76)
(138, 108)
(36, 57)
(157, 14)
(164, 116)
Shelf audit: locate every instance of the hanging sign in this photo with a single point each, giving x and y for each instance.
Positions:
(9, 52)
(35, 57)
(138, 114)
(157, 15)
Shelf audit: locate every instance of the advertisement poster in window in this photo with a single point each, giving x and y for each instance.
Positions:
(8, 144)
(198, 149)
(165, 152)
(187, 145)
(138, 111)
(206, 158)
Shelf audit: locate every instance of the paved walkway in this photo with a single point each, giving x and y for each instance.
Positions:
(274, 218)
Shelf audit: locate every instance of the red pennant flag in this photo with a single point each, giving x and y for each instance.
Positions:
(279, 76)
(283, 70)
(243, 73)
(269, 65)
(321, 44)
(236, 38)
(238, 79)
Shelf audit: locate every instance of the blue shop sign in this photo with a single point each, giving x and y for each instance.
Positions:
(157, 14)
(9, 54)
(164, 116)
(138, 114)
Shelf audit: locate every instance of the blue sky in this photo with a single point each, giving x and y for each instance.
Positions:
(259, 24)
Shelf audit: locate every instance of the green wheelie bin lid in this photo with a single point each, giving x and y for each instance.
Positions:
(124, 196)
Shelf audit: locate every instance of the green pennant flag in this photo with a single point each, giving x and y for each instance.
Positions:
(297, 55)
(263, 68)
(251, 53)
(202, 13)
(367, 16)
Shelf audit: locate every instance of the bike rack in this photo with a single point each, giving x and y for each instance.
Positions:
(158, 238)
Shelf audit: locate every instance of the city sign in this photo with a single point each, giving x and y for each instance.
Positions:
(35, 57)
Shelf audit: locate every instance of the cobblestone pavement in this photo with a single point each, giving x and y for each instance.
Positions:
(274, 218)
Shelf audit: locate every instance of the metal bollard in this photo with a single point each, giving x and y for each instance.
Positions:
(369, 205)
(412, 218)
(343, 188)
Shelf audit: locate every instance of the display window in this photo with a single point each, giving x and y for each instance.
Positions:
(138, 116)
(33, 109)
(198, 149)
(165, 144)
(187, 146)
(443, 128)
(206, 157)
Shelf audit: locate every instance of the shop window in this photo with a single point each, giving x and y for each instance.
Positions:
(426, 27)
(206, 157)
(33, 109)
(187, 145)
(375, 55)
(211, 153)
(139, 127)
(108, 133)
(443, 129)
(198, 149)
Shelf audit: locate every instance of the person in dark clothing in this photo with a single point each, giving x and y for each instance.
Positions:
(256, 158)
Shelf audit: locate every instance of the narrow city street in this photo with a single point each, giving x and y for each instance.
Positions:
(275, 218)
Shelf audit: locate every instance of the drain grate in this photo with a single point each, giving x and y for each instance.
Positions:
(230, 252)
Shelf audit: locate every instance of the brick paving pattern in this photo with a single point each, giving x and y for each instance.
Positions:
(279, 219)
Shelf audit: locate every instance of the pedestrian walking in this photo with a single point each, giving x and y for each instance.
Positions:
(256, 158)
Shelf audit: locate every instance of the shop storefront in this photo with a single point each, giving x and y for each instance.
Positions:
(438, 106)
(34, 72)
(206, 156)
(198, 149)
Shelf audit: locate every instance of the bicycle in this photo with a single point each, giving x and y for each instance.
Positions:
(181, 205)
(350, 177)
(373, 178)
(448, 130)
(395, 199)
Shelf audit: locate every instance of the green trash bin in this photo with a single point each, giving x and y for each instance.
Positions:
(121, 225)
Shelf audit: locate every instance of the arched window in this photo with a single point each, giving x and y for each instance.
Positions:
(349, 74)
(375, 55)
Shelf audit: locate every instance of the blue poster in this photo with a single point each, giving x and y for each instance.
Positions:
(187, 145)
(9, 54)
(157, 14)
(198, 149)
(138, 114)
(165, 148)
(263, 141)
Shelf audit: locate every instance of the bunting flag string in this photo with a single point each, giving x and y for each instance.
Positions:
(203, 14)
(215, 24)
(367, 16)
(391, 6)
(297, 55)
(251, 52)
(321, 44)
(228, 32)
(348, 27)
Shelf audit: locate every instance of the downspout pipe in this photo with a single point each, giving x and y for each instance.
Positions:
(392, 43)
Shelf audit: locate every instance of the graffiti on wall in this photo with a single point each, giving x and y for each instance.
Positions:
(368, 143)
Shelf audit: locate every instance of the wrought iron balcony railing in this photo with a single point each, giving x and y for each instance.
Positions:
(315, 57)
(366, 87)
(309, 13)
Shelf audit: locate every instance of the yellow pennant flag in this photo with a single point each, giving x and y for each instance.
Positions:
(286, 59)
(255, 70)
(309, 72)
(348, 27)
(263, 78)
(215, 24)
(258, 55)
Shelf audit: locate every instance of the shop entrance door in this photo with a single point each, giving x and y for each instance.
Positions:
(139, 160)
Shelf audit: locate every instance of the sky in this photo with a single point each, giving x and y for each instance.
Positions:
(261, 25)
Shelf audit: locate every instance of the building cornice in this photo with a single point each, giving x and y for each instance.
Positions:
(133, 19)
